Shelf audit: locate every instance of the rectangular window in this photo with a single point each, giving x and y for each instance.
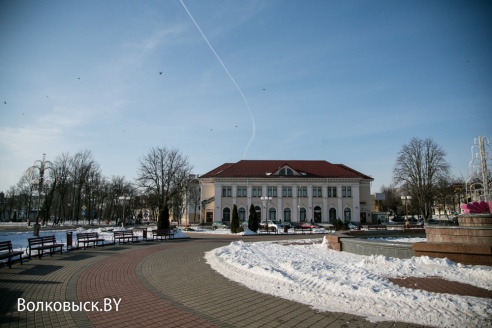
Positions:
(226, 191)
(241, 191)
(349, 191)
(256, 191)
(317, 192)
(344, 191)
(329, 191)
(302, 191)
(287, 191)
(272, 191)
(332, 191)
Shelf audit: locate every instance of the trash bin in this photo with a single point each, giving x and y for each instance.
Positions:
(358, 227)
(286, 229)
(69, 239)
(144, 234)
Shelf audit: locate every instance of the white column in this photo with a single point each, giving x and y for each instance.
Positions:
(310, 203)
(234, 195)
(249, 193)
(356, 203)
(280, 210)
(340, 203)
(218, 203)
(295, 210)
(264, 213)
(324, 211)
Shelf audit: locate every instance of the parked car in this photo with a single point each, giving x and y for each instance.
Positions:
(219, 225)
(307, 225)
(271, 225)
(352, 226)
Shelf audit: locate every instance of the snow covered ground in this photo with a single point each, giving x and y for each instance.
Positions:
(306, 271)
(327, 280)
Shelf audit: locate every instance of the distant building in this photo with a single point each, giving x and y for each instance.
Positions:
(300, 190)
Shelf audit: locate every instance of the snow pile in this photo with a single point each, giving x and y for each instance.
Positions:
(327, 280)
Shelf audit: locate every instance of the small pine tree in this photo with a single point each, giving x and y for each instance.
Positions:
(163, 221)
(235, 220)
(253, 219)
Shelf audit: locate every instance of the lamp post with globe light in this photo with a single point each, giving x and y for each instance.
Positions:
(405, 200)
(36, 174)
(123, 199)
(265, 201)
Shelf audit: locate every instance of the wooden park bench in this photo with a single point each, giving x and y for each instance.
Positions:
(124, 237)
(6, 252)
(40, 244)
(376, 227)
(161, 234)
(89, 238)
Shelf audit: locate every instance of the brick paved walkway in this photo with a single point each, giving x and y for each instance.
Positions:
(160, 284)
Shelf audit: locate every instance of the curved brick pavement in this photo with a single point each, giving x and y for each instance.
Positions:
(160, 284)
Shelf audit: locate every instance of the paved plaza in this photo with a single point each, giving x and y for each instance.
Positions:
(151, 284)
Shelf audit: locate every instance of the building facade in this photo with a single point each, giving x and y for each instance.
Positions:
(287, 191)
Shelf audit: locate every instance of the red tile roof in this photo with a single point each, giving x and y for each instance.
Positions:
(261, 168)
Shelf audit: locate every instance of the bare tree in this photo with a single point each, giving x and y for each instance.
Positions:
(419, 167)
(81, 166)
(62, 175)
(193, 197)
(163, 173)
(392, 199)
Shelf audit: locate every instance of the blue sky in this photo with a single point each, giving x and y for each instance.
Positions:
(344, 81)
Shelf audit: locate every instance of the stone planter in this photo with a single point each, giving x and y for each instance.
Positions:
(475, 220)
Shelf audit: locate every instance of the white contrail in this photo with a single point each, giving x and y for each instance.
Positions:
(230, 76)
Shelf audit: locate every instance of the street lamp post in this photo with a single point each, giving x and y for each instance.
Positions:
(405, 200)
(36, 174)
(266, 200)
(123, 199)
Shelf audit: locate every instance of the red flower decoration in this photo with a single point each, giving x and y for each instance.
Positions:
(477, 207)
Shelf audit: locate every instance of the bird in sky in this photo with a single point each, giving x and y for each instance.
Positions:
(5, 102)
(160, 73)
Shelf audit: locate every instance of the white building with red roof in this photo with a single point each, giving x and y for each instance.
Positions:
(296, 191)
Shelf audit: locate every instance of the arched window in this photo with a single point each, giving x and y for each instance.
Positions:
(287, 215)
(333, 215)
(347, 214)
(302, 215)
(226, 214)
(241, 214)
(317, 214)
(272, 214)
